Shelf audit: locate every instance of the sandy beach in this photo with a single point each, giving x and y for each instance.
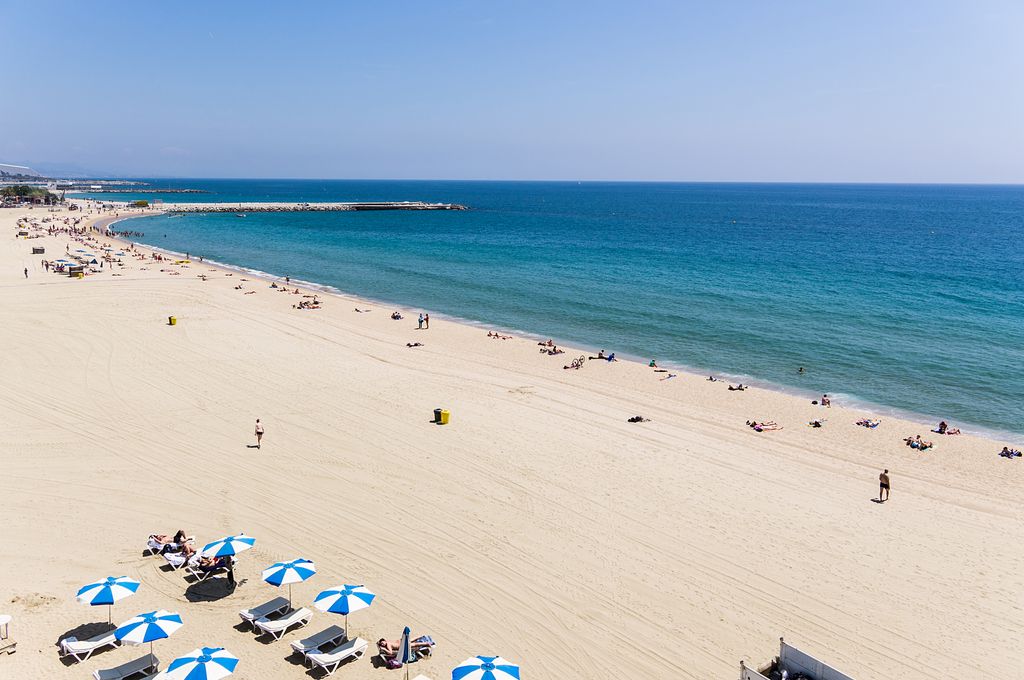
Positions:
(539, 524)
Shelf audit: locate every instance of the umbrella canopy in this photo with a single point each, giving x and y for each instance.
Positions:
(287, 573)
(486, 668)
(208, 663)
(229, 545)
(148, 627)
(405, 653)
(108, 591)
(344, 600)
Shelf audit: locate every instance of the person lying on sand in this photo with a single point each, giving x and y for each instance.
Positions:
(396, 316)
(867, 422)
(547, 343)
(1010, 453)
(737, 388)
(600, 355)
(414, 344)
(918, 443)
(712, 378)
(763, 427)
(638, 419)
(816, 423)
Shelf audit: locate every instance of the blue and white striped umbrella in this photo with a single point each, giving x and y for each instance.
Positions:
(229, 545)
(208, 663)
(108, 591)
(344, 600)
(288, 573)
(486, 668)
(405, 653)
(148, 627)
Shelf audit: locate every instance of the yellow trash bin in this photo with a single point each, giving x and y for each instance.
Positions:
(80, 275)
(172, 321)
(445, 415)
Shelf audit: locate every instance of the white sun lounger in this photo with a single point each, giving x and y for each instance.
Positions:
(83, 649)
(142, 668)
(154, 546)
(276, 628)
(268, 610)
(192, 569)
(328, 637)
(332, 658)
(178, 560)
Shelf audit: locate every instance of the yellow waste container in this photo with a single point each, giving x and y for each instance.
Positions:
(172, 321)
(80, 275)
(445, 415)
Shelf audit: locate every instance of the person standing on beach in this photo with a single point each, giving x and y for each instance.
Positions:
(421, 321)
(259, 433)
(426, 320)
(26, 272)
(883, 486)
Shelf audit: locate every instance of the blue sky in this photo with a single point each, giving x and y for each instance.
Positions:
(785, 91)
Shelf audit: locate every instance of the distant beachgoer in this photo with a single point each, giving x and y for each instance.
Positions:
(800, 370)
(653, 364)
(259, 433)
(883, 486)
(26, 272)
(421, 320)
(287, 279)
(426, 321)
(825, 401)
(941, 430)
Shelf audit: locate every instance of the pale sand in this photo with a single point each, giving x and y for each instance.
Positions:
(538, 525)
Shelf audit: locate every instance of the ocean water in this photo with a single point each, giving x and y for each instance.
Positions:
(905, 298)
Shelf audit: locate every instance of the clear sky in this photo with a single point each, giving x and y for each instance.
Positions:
(817, 90)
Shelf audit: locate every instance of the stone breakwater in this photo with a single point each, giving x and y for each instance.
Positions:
(241, 208)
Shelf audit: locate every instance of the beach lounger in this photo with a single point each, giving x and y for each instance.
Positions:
(332, 658)
(143, 668)
(268, 610)
(178, 560)
(276, 628)
(154, 546)
(193, 569)
(328, 637)
(81, 650)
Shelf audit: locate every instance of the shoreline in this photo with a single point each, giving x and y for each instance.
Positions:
(852, 402)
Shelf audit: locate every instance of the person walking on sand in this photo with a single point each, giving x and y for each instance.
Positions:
(26, 272)
(883, 486)
(259, 433)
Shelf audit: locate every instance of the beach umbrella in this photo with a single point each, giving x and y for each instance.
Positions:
(486, 668)
(108, 591)
(288, 573)
(405, 654)
(208, 663)
(148, 627)
(343, 600)
(229, 545)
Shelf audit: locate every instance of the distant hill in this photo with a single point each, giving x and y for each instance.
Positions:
(8, 171)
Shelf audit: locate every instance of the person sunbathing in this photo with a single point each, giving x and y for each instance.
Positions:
(396, 316)
(738, 388)
(600, 355)
(414, 344)
(391, 648)
(208, 564)
(1010, 453)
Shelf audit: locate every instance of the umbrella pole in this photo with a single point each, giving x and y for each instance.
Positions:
(289, 596)
(109, 616)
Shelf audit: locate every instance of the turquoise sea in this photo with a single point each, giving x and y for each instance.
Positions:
(906, 298)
